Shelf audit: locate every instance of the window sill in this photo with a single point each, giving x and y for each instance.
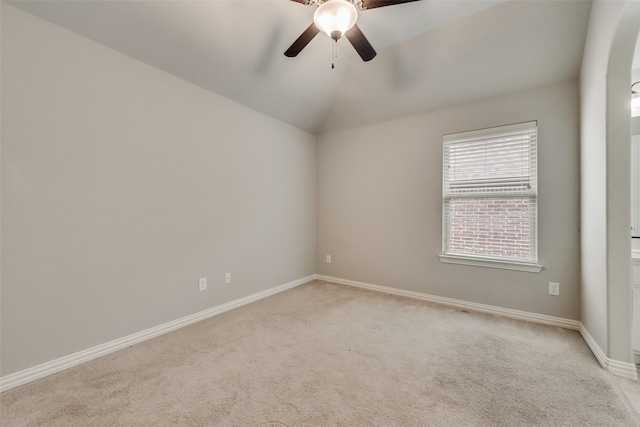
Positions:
(490, 263)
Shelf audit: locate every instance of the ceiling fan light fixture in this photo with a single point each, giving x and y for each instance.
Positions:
(335, 17)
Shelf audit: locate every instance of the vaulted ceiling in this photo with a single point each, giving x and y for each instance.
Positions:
(431, 53)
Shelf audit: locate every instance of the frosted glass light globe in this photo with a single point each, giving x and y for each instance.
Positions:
(335, 17)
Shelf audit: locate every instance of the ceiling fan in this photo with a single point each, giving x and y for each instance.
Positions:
(337, 18)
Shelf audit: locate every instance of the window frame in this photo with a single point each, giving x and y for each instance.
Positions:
(491, 261)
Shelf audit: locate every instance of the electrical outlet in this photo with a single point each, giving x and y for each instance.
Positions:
(328, 259)
(227, 278)
(554, 288)
(202, 284)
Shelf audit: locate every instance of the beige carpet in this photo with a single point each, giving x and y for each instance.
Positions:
(329, 355)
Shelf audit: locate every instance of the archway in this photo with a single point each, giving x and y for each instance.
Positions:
(618, 136)
(606, 304)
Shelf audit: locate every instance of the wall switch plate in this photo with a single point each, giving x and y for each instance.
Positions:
(227, 278)
(202, 284)
(554, 288)
(328, 259)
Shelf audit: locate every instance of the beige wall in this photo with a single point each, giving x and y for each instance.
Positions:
(635, 126)
(122, 185)
(379, 204)
(593, 169)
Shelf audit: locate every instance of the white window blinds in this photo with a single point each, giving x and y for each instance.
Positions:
(490, 191)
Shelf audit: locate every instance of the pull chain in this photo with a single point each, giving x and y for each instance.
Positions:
(334, 54)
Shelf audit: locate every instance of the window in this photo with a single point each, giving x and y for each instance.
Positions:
(489, 197)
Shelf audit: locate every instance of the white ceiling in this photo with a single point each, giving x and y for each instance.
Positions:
(431, 54)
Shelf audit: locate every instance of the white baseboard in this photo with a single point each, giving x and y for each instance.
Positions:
(602, 358)
(484, 308)
(25, 376)
(622, 369)
(616, 367)
(48, 368)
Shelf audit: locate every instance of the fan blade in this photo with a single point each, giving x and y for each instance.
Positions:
(372, 4)
(305, 2)
(302, 41)
(360, 43)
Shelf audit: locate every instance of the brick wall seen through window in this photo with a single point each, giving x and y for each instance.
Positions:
(490, 193)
